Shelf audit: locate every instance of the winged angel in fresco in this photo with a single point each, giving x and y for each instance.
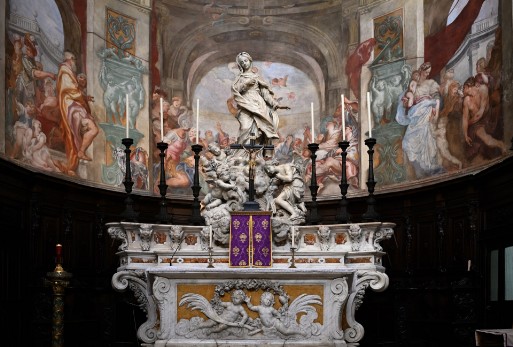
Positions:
(231, 319)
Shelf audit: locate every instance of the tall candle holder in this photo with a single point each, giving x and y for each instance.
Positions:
(293, 258)
(210, 259)
(314, 217)
(129, 214)
(343, 216)
(163, 216)
(59, 280)
(196, 219)
(371, 215)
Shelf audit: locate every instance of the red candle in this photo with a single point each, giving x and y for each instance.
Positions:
(58, 250)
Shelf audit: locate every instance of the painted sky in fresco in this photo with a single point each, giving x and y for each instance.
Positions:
(47, 15)
(291, 86)
(489, 9)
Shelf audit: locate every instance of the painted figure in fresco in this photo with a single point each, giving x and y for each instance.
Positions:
(135, 92)
(26, 115)
(77, 123)
(477, 125)
(36, 151)
(419, 142)
(25, 82)
(256, 104)
(447, 79)
(380, 101)
(409, 96)
(175, 111)
(439, 129)
(283, 151)
(222, 137)
(354, 64)
(178, 141)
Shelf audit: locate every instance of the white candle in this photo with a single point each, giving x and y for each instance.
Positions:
(210, 237)
(343, 119)
(293, 231)
(197, 121)
(313, 132)
(127, 116)
(161, 120)
(469, 265)
(369, 114)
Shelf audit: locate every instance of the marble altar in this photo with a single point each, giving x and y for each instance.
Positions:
(190, 304)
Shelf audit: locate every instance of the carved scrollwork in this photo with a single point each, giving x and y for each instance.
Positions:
(145, 232)
(378, 282)
(136, 282)
(340, 291)
(120, 234)
(382, 234)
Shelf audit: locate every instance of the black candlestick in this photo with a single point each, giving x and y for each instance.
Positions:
(371, 215)
(129, 214)
(314, 217)
(343, 216)
(163, 216)
(196, 219)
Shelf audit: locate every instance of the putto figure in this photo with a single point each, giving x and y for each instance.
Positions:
(256, 104)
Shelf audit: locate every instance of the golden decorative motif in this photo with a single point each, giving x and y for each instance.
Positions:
(236, 224)
(243, 237)
(258, 263)
(242, 263)
(258, 237)
(265, 251)
(236, 251)
(265, 224)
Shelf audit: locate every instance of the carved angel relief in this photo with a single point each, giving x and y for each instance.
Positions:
(232, 318)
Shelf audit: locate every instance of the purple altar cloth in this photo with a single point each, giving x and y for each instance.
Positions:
(251, 239)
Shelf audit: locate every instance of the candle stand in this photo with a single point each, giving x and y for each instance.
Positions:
(343, 216)
(210, 259)
(314, 217)
(59, 280)
(129, 214)
(293, 258)
(163, 216)
(196, 218)
(371, 215)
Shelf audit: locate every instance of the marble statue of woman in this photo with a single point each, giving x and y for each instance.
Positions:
(255, 103)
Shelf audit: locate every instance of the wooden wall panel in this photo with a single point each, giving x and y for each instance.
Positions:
(438, 228)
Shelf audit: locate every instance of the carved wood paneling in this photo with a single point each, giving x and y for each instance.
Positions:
(437, 228)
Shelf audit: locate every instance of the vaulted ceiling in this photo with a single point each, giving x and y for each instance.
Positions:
(197, 35)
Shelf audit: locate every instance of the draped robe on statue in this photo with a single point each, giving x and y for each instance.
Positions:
(256, 107)
(74, 109)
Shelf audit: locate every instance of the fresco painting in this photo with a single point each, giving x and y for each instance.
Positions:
(433, 119)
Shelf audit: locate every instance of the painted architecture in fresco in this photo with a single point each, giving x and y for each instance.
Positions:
(73, 91)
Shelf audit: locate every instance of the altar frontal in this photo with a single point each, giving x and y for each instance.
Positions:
(250, 239)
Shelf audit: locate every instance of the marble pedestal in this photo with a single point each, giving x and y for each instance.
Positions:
(189, 304)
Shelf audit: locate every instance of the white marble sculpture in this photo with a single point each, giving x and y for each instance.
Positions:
(190, 305)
